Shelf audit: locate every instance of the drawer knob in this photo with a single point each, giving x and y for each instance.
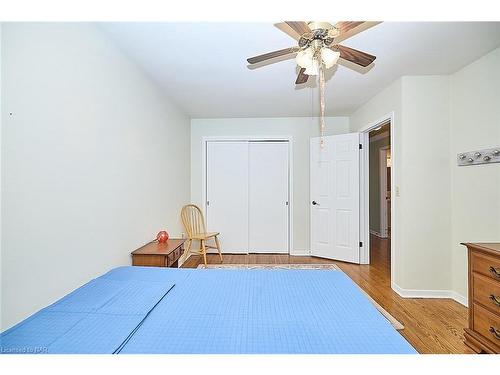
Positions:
(495, 332)
(495, 299)
(495, 271)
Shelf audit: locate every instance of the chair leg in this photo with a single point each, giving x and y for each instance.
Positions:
(204, 251)
(217, 243)
(188, 247)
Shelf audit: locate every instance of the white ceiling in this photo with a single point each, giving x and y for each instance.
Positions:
(202, 66)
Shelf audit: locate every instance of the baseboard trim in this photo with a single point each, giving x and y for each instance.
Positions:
(459, 298)
(300, 253)
(422, 293)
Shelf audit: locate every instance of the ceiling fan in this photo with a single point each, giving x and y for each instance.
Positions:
(318, 44)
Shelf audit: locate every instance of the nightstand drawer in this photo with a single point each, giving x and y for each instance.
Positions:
(486, 265)
(487, 324)
(148, 260)
(487, 292)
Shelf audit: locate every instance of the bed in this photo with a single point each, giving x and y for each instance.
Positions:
(166, 310)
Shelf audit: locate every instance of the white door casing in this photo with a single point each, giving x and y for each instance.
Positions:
(383, 193)
(334, 195)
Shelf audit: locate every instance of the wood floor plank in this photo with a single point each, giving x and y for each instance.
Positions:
(431, 325)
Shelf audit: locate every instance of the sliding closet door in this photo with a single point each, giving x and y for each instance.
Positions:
(268, 197)
(227, 194)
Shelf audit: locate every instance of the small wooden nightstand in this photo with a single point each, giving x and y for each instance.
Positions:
(156, 254)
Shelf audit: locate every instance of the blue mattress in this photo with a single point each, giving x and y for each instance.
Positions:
(166, 310)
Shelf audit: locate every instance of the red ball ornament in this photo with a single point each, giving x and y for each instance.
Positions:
(162, 236)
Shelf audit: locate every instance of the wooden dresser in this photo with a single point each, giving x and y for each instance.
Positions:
(156, 254)
(483, 333)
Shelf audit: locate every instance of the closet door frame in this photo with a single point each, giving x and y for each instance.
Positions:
(286, 138)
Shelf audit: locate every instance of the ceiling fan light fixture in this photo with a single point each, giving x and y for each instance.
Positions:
(313, 69)
(329, 57)
(304, 58)
(317, 49)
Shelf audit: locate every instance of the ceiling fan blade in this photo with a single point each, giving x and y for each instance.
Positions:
(345, 26)
(351, 28)
(272, 55)
(283, 26)
(302, 77)
(353, 55)
(300, 27)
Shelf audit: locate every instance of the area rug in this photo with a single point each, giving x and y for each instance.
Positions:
(333, 267)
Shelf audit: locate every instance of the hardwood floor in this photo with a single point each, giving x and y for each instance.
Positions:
(431, 325)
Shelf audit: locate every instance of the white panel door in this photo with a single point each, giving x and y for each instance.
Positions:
(334, 179)
(227, 194)
(268, 197)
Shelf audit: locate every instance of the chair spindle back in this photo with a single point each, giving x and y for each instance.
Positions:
(193, 220)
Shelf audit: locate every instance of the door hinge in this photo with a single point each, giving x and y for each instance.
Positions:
(361, 244)
(360, 146)
(208, 203)
(286, 203)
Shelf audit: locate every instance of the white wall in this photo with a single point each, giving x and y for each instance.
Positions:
(95, 160)
(441, 204)
(301, 129)
(475, 194)
(1, 308)
(421, 166)
(425, 201)
(385, 103)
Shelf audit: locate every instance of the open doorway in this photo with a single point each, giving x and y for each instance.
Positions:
(380, 193)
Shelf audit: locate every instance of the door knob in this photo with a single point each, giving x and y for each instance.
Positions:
(315, 203)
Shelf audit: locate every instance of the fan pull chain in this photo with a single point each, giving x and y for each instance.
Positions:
(321, 105)
(312, 108)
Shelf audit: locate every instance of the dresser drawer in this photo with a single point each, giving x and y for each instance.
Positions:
(485, 265)
(487, 292)
(487, 324)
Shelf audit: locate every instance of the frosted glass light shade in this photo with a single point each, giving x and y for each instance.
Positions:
(304, 58)
(329, 57)
(313, 69)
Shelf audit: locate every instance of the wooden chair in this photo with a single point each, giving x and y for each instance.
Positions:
(194, 223)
